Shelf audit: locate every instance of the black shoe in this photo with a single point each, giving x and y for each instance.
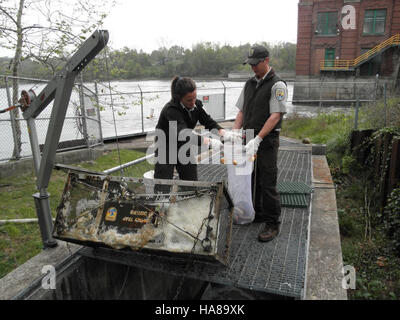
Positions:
(270, 232)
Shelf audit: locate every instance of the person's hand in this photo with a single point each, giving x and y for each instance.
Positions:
(215, 144)
(252, 146)
(233, 136)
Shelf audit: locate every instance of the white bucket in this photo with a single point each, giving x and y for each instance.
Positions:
(148, 179)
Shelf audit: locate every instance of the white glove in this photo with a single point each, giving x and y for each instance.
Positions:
(252, 146)
(232, 136)
(215, 144)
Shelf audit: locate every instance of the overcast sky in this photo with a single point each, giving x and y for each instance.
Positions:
(150, 24)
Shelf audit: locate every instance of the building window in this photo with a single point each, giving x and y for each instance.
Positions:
(374, 21)
(327, 23)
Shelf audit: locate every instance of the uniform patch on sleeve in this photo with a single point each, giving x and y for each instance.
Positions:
(279, 94)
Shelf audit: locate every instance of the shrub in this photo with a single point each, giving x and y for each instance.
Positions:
(346, 223)
(392, 211)
(337, 147)
(348, 164)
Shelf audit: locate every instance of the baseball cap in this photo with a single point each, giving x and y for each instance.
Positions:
(256, 54)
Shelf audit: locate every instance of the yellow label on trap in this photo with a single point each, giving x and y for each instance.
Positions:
(111, 214)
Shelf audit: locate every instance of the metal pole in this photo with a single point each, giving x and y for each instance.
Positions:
(385, 100)
(224, 100)
(42, 205)
(98, 111)
(64, 85)
(141, 106)
(12, 118)
(34, 144)
(376, 86)
(357, 105)
(320, 93)
(356, 115)
(42, 202)
(83, 111)
(126, 165)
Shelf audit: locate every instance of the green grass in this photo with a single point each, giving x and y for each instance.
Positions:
(111, 159)
(16, 201)
(20, 242)
(319, 129)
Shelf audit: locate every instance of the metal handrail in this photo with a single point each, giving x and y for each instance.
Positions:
(350, 64)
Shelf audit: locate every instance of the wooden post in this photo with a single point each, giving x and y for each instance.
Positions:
(394, 168)
(358, 138)
(384, 172)
(377, 162)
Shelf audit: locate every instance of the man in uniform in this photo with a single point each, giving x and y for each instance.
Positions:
(262, 104)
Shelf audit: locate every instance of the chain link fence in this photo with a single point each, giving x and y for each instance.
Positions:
(137, 109)
(6, 144)
(81, 127)
(104, 111)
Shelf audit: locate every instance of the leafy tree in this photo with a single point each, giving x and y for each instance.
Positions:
(62, 28)
(202, 60)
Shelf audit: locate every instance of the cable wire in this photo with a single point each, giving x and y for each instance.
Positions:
(112, 106)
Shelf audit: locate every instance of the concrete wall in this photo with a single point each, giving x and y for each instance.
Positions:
(333, 90)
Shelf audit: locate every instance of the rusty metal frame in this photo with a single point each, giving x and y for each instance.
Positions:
(218, 252)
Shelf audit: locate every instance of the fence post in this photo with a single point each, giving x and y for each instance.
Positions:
(394, 168)
(320, 93)
(356, 114)
(376, 86)
(224, 100)
(384, 174)
(141, 106)
(96, 90)
(12, 118)
(385, 101)
(83, 111)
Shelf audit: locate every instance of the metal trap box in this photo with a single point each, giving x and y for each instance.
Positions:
(185, 218)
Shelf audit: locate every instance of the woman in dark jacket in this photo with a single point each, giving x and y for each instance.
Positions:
(180, 115)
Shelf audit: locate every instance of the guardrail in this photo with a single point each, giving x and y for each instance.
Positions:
(328, 65)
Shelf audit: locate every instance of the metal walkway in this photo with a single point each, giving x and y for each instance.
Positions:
(277, 267)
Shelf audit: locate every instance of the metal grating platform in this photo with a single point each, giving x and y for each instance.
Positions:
(276, 267)
(293, 187)
(294, 194)
(296, 200)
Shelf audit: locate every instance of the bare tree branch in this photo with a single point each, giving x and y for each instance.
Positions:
(8, 15)
(59, 28)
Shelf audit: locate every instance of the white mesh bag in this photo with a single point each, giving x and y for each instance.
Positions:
(239, 182)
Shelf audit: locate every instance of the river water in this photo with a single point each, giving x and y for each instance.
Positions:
(127, 116)
(157, 93)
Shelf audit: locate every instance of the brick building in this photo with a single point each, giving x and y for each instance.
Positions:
(348, 38)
